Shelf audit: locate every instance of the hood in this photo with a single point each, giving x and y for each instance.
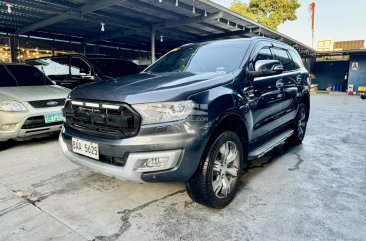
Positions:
(32, 93)
(144, 87)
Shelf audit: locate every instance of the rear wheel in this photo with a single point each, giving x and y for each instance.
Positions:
(299, 125)
(216, 181)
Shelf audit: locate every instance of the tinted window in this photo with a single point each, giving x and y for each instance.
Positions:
(220, 57)
(80, 68)
(56, 66)
(264, 54)
(282, 56)
(114, 67)
(297, 60)
(5, 78)
(28, 75)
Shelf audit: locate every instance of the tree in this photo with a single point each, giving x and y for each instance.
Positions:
(270, 13)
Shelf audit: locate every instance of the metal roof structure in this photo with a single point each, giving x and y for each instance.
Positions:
(134, 24)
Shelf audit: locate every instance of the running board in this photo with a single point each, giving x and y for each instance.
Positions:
(268, 146)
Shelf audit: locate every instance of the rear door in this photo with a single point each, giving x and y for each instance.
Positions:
(291, 82)
(268, 96)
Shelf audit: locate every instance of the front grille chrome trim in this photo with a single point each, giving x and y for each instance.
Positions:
(112, 107)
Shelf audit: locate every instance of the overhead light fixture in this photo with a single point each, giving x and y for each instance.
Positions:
(205, 13)
(9, 5)
(193, 8)
(102, 27)
(160, 1)
(228, 22)
(176, 3)
(161, 38)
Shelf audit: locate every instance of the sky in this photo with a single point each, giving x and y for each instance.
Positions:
(334, 19)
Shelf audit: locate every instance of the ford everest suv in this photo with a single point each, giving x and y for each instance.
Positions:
(198, 115)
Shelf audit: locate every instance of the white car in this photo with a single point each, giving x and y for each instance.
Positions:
(30, 104)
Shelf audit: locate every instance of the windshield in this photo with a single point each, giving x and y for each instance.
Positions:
(220, 57)
(22, 75)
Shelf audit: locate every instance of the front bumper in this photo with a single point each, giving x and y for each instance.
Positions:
(17, 121)
(180, 141)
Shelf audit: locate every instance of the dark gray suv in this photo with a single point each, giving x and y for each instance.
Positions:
(197, 115)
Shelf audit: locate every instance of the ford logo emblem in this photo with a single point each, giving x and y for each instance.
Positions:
(52, 103)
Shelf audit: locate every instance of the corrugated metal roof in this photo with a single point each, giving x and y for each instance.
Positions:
(128, 23)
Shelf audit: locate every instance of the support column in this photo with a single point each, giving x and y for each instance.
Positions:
(13, 49)
(152, 46)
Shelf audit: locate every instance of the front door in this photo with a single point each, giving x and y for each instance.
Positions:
(267, 106)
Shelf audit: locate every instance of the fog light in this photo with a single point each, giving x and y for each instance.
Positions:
(7, 127)
(156, 162)
(153, 161)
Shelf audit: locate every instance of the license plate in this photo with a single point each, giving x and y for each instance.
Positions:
(85, 148)
(52, 118)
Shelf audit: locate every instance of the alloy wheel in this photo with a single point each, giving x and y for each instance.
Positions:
(301, 126)
(225, 170)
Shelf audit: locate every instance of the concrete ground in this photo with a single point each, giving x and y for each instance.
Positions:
(315, 191)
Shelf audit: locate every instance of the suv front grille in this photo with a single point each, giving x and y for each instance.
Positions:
(47, 103)
(100, 119)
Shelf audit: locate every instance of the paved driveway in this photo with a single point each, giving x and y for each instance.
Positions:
(316, 191)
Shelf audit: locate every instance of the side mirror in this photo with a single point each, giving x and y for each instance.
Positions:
(264, 68)
(363, 96)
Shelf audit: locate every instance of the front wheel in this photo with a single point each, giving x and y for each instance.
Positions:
(299, 125)
(216, 181)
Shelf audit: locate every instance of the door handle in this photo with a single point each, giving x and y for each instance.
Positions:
(279, 83)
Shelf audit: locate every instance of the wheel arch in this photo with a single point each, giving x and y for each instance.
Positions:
(231, 122)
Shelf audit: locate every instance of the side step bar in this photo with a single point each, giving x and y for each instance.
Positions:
(268, 146)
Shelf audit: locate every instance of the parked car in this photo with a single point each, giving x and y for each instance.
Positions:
(30, 104)
(198, 115)
(75, 69)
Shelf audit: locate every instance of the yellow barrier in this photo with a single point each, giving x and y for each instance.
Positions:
(361, 88)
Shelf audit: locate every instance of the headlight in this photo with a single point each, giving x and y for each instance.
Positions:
(11, 106)
(164, 111)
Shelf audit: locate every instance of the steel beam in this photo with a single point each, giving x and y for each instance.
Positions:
(86, 8)
(238, 33)
(157, 27)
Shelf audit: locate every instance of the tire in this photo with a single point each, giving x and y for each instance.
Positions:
(299, 126)
(216, 180)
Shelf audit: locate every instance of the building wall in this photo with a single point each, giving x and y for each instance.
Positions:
(349, 45)
(357, 77)
(325, 45)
